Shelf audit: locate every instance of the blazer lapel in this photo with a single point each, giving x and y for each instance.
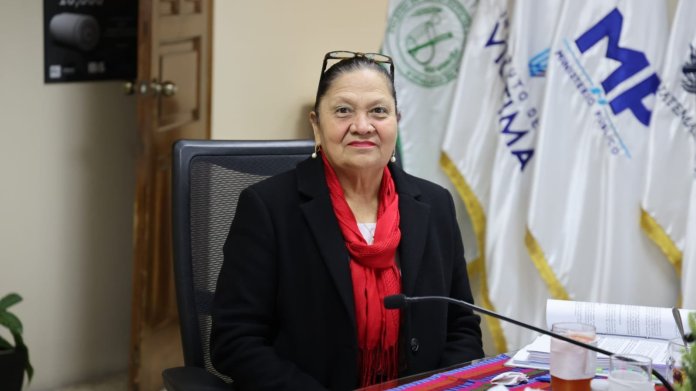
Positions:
(414, 216)
(320, 216)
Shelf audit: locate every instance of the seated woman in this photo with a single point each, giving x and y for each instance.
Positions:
(312, 252)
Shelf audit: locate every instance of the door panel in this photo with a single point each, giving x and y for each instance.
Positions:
(180, 61)
(174, 42)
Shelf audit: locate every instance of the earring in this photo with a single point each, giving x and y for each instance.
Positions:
(393, 158)
(316, 149)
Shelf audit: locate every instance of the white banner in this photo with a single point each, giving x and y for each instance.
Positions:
(671, 168)
(514, 284)
(590, 159)
(470, 138)
(426, 39)
(688, 278)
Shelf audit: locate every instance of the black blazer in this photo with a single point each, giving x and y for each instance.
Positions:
(283, 313)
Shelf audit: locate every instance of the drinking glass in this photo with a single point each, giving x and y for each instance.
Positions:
(572, 367)
(630, 372)
(675, 370)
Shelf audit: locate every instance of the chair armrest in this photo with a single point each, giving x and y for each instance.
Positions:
(193, 378)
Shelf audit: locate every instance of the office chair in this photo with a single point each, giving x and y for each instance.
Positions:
(208, 176)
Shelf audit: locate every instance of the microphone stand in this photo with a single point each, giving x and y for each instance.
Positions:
(400, 301)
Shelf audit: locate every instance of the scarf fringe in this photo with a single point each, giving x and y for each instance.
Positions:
(377, 365)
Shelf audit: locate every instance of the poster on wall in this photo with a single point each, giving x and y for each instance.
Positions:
(90, 40)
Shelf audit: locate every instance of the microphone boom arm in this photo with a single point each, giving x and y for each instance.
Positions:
(505, 318)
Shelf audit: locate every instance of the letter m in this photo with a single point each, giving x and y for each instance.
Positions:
(632, 62)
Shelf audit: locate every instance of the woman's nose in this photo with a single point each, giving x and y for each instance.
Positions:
(362, 124)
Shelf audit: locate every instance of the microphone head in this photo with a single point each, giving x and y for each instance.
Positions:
(395, 302)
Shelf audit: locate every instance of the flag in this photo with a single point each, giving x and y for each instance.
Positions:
(514, 284)
(583, 232)
(469, 145)
(426, 39)
(688, 278)
(672, 149)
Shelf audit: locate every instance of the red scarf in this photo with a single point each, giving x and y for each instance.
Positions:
(375, 275)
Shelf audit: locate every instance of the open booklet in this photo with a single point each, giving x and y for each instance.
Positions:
(626, 329)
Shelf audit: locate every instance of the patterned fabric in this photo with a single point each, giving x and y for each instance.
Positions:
(477, 377)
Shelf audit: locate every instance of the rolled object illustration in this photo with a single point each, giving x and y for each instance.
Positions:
(75, 30)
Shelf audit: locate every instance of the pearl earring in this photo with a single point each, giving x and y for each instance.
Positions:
(393, 158)
(316, 149)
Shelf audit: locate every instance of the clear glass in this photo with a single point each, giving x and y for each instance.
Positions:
(572, 367)
(630, 372)
(675, 370)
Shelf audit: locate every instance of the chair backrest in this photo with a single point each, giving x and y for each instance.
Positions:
(208, 176)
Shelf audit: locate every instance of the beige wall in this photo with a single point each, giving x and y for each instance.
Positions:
(268, 56)
(67, 172)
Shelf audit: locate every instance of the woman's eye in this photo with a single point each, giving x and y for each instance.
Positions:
(380, 110)
(342, 110)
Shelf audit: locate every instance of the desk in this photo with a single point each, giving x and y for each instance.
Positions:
(471, 376)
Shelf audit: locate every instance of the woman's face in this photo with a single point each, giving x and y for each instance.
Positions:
(357, 122)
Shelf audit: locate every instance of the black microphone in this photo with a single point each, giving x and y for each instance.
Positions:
(402, 301)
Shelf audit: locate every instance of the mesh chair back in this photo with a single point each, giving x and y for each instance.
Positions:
(208, 176)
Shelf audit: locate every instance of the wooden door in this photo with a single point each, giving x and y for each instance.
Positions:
(173, 93)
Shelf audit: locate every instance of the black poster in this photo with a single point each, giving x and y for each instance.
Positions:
(90, 40)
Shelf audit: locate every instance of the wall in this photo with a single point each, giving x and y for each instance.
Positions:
(266, 64)
(67, 169)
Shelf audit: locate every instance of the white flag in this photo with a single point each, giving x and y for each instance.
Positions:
(426, 40)
(590, 158)
(688, 278)
(676, 109)
(470, 138)
(671, 166)
(514, 284)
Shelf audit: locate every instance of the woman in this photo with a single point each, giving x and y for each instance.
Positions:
(311, 254)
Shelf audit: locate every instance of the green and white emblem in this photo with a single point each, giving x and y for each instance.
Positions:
(426, 39)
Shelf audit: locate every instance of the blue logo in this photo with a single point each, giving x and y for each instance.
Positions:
(632, 61)
(539, 63)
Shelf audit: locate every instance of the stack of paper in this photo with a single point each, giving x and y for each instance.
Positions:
(536, 354)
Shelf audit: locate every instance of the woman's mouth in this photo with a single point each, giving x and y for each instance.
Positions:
(362, 144)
